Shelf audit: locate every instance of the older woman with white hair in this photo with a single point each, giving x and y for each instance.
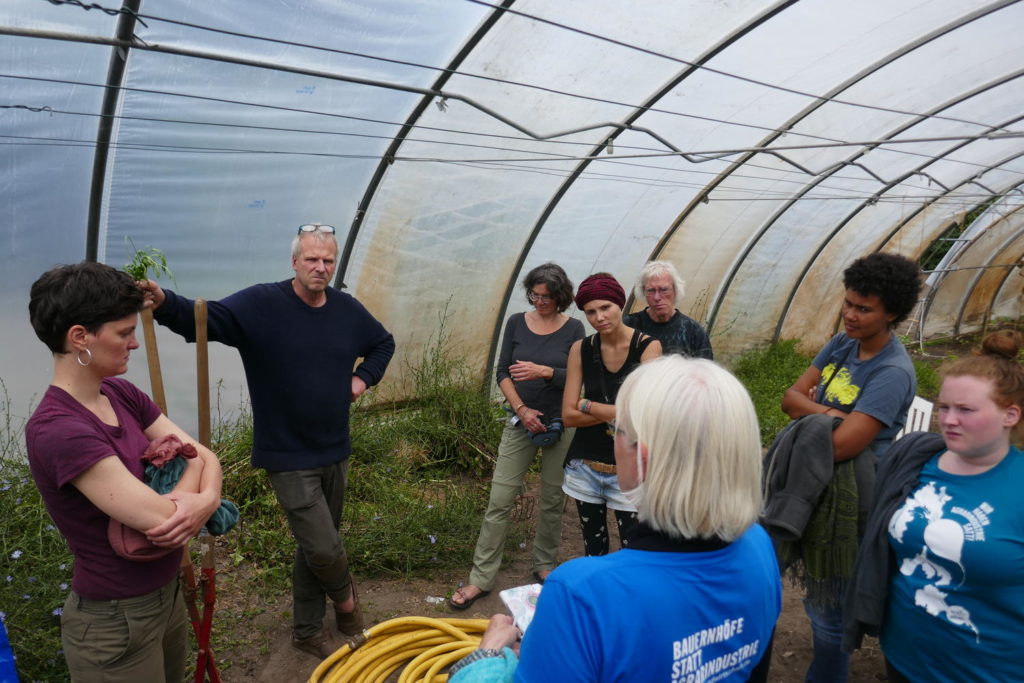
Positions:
(661, 286)
(697, 592)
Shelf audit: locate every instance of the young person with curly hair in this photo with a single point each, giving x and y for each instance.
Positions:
(865, 377)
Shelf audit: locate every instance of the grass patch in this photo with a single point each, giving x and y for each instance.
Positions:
(927, 379)
(36, 561)
(36, 576)
(767, 372)
(451, 421)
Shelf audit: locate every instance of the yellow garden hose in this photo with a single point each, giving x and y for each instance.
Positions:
(423, 645)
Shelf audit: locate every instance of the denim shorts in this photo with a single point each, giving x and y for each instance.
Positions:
(590, 486)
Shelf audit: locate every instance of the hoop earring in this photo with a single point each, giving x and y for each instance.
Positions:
(79, 358)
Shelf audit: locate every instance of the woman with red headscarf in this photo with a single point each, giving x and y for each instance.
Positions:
(598, 365)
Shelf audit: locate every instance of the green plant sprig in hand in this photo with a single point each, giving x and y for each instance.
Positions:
(144, 260)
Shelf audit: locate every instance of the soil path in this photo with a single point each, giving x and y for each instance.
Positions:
(263, 653)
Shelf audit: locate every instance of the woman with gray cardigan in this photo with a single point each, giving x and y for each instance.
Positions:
(531, 375)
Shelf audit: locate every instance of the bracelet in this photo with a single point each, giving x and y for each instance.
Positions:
(585, 407)
(474, 656)
(516, 409)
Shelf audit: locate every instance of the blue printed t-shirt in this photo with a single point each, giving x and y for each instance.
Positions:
(956, 602)
(639, 615)
(882, 386)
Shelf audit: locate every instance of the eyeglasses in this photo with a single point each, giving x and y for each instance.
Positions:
(663, 291)
(539, 298)
(316, 227)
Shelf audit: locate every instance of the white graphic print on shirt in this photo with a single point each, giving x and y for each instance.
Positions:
(940, 558)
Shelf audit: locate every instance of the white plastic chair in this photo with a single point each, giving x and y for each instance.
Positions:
(919, 417)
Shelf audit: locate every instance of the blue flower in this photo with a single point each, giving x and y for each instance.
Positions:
(57, 612)
(432, 539)
(63, 586)
(16, 554)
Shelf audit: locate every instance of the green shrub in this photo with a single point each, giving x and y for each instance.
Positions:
(767, 372)
(36, 575)
(457, 424)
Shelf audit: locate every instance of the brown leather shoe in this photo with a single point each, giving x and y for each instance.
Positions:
(350, 623)
(320, 645)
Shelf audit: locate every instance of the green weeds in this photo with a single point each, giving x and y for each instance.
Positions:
(36, 574)
(767, 372)
(145, 260)
(927, 379)
(452, 421)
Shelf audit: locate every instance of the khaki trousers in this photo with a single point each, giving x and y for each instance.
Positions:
(130, 640)
(515, 455)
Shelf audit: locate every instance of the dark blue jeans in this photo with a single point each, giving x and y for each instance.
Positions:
(830, 663)
(312, 500)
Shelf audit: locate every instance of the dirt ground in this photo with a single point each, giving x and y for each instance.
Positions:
(263, 653)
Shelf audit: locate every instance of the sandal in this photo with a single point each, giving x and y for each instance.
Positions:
(466, 602)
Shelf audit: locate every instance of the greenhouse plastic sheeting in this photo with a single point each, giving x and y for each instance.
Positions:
(455, 144)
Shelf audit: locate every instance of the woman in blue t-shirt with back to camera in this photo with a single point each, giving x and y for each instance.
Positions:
(696, 595)
(940, 575)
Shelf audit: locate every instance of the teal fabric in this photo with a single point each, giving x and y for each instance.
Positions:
(490, 670)
(164, 479)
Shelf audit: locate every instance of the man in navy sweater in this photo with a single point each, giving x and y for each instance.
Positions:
(299, 340)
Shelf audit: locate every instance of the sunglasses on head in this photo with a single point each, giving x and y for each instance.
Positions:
(316, 227)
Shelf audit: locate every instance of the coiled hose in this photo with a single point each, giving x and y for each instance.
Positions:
(423, 645)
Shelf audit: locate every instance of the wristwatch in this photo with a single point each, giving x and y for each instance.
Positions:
(474, 656)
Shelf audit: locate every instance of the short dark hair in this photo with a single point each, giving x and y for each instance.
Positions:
(896, 280)
(87, 294)
(554, 278)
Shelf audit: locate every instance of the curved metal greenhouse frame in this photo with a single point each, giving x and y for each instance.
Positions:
(760, 145)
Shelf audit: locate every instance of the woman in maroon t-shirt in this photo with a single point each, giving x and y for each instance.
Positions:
(124, 619)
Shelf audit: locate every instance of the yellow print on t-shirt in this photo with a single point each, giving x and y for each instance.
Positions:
(840, 389)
